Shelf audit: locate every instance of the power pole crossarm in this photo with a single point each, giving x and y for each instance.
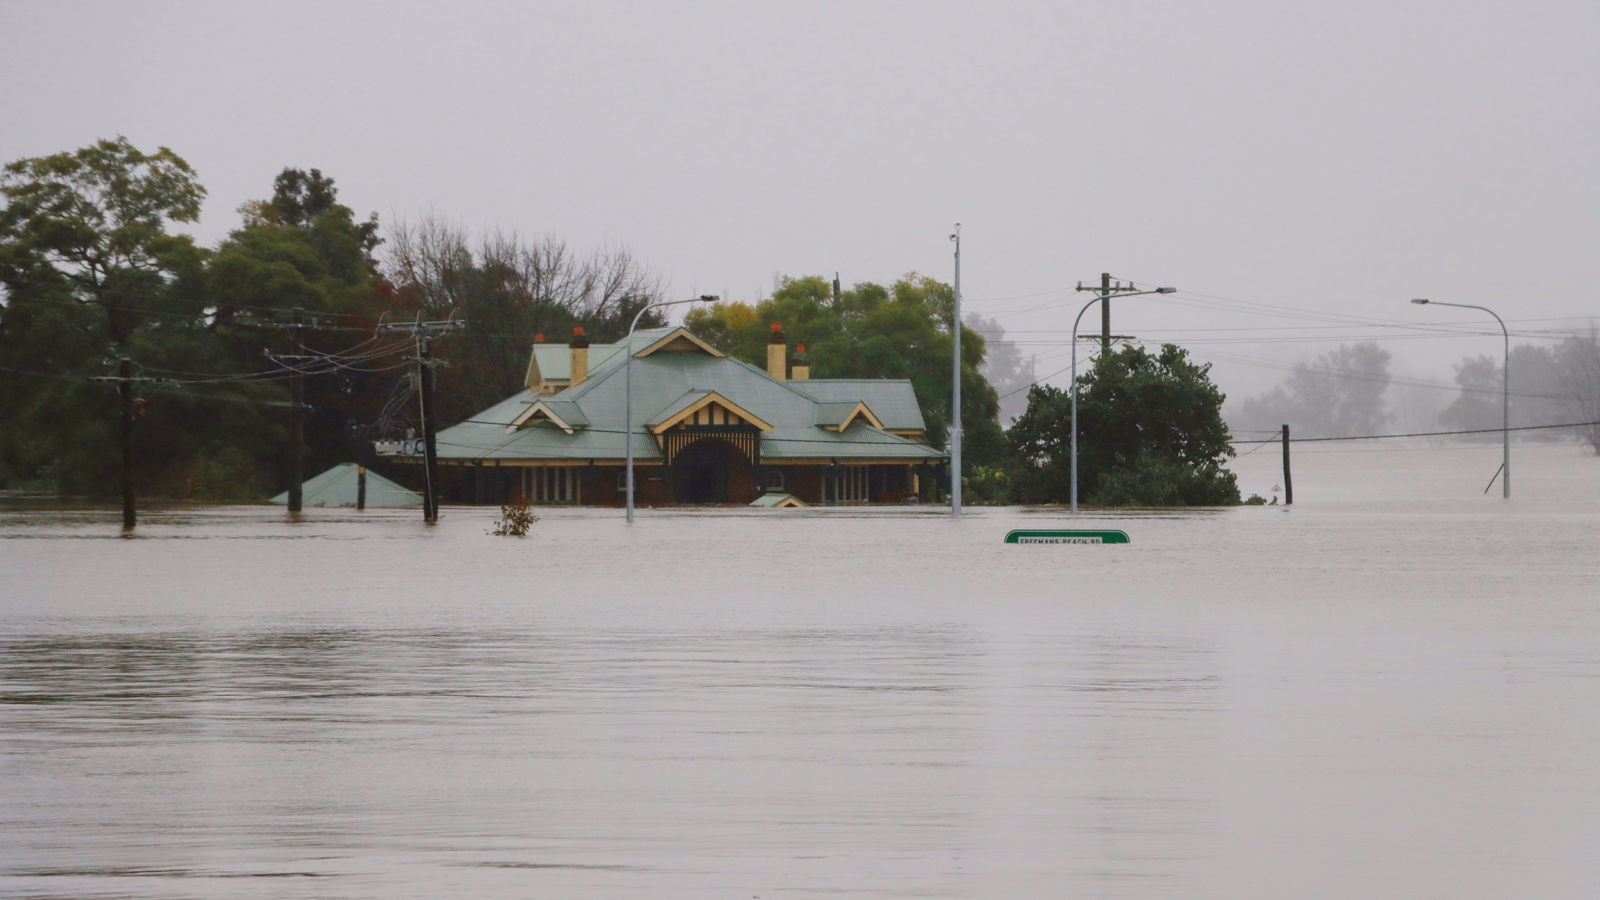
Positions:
(422, 332)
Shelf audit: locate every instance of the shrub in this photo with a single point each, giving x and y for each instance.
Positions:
(516, 518)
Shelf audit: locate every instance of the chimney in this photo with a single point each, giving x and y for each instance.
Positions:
(580, 357)
(534, 379)
(777, 349)
(801, 363)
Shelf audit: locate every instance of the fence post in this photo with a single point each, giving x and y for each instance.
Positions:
(1288, 484)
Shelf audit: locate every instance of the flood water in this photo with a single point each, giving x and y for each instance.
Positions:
(1391, 689)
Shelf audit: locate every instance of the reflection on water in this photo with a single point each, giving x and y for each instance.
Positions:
(1367, 696)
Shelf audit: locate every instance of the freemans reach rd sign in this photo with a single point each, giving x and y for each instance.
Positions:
(1067, 537)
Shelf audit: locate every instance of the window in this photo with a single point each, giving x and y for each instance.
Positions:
(848, 485)
(550, 484)
(774, 480)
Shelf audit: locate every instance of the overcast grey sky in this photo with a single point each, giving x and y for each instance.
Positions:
(1340, 157)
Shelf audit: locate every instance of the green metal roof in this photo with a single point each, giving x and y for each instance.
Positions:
(339, 486)
(662, 381)
(834, 412)
(688, 399)
(568, 411)
(555, 360)
(892, 400)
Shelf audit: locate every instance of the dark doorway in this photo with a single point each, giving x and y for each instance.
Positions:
(701, 473)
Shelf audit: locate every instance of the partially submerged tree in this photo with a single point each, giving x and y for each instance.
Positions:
(91, 273)
(1150, 433)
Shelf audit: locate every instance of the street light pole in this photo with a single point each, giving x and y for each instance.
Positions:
(627, 377)
(955, 393)
(1505, 393)
(1105, 294)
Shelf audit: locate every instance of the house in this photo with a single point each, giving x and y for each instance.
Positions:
(706, 428)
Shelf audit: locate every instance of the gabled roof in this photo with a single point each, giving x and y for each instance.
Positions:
(778, 501)
(564, 414)
(554, 361)
(340, 486)
(695, 400)
(679, 338)
(836, 415)
(892, 400)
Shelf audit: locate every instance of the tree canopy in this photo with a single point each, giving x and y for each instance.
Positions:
(872, 331)
(1150, 433)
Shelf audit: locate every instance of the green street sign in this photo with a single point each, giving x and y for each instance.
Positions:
(1067, 537)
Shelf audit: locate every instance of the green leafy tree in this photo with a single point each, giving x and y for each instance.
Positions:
(872, 331)
(91, 273)
(304, 250)
(1150, 433)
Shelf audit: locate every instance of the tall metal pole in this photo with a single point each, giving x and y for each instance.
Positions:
(627, 378)
(1075, 400)
(955, 393)
(1505, 394)
(297, 421)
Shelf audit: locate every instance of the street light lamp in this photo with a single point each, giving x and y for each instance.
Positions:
(1505, 393)
(1097, 299)
(627, 377)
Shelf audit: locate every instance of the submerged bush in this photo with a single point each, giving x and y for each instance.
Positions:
(516, 518)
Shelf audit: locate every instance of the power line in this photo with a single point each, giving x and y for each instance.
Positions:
(1377, 437)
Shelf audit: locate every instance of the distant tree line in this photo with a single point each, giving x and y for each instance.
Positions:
(1342, 393)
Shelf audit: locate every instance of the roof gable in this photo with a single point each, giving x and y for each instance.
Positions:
(836, 415)
(563, 414)
(701, 407)
(678, 339)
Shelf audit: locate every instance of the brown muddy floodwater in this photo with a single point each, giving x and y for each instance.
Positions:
(1390, 690)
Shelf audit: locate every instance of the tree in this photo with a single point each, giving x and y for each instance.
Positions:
(507, 290)
(304, 250)
(1535, 393)
(1004, 367)
(1577, 362)
(1150, 433)
(872, 331)
(1338, 394)
(91, 273)
(92, 226)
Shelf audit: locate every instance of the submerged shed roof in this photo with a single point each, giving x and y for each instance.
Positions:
(340, 485)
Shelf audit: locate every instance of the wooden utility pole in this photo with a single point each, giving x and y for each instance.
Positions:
(125, 440)
(430, 459)
(296, 329)
(1288, 485)
(125, 380)
(422, 332)
(1105, 313)
(297, 419)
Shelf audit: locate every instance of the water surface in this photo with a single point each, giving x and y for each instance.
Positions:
(1390, 689)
